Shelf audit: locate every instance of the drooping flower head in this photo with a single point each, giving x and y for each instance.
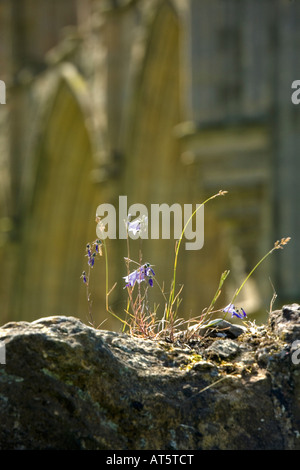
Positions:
(134, 226)
(92, 250)
(92, 254)
(138, 225)
(143, 273)
(240, 313)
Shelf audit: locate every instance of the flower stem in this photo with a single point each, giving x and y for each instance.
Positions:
(172, 293)
(277, 245)
(107, 292)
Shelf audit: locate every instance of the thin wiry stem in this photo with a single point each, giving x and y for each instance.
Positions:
(172, 293)
(277, 245)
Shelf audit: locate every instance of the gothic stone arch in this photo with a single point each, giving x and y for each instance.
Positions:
(60, 218)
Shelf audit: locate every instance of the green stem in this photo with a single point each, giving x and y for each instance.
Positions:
(218, 292)
(172, 293)
(250, 274)
(106, 274)
(106, 287)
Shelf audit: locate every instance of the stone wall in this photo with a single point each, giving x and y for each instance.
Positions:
(67, 386)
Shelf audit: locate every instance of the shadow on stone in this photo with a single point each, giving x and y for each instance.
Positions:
(66, 385)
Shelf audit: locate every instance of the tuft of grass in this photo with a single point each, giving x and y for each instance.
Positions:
(171, 313)
(144, 321)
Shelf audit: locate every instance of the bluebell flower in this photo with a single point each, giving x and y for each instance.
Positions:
(92, 254)
(83, 276)
(98, 244)
(91, 260)
(143, 273)
(134, 226)
(240, 313)
(88, 249)
(137, 225)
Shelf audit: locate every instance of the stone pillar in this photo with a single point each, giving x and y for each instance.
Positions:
(225, 137)
(287, 145)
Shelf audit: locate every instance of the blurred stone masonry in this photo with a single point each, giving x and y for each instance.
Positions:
(161, 101)
(66, 385)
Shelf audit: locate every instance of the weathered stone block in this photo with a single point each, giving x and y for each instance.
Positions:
(66, 385)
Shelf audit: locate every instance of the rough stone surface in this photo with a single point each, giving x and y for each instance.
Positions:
(66, 385)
